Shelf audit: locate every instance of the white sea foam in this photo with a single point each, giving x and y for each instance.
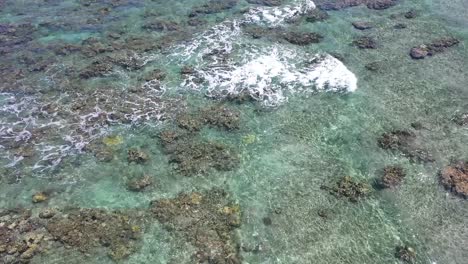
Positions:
(270, 72)
(275, 16)
(228, 64)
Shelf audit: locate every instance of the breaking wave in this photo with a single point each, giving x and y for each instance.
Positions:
(227, 64)
(225, 61)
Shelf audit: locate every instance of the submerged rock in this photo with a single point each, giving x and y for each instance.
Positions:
(302, 39)
(207, 220)
(266, 2)
(380, 4)
(392, 177)
(340, 4)
(461, 119)
(140, 183)
(404, 142)
(405, 253)
(194, 156)
(189, 121)
(126, 59)
(137, 156)
(400, 26)
(96, 69)
(455, 178)
(411, 14)
(47, 213)
(373, 66)
(437, 46)
(316, 15)
(162, 25)
(213, 6)
(350, 188)
(419, 52)
(156, 74)
(365, 43)
(221, 117)
(362, 25)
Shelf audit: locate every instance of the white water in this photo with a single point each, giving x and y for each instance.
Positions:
(229, 64)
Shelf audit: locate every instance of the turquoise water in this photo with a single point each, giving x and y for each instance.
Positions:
(306, 123)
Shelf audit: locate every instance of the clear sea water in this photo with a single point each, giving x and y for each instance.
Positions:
(307, 126)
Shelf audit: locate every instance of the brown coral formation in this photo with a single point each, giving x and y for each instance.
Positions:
(302, 38)
(21, 236)
(96, 69)
(455, 178)
(461, 119)
(437, 46)
(137, 156)
(266, 2)
(365, 43)
(89, 229)
(140, 183)
(392, 177)
(221, 117)
(350, 188)
(405, 142)
(194, 156)
(218, 115)
(405, 253)
(340, 4)
(206, 220)
(212, 7)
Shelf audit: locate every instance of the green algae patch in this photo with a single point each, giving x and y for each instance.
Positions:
(112, 141)
(249, 139)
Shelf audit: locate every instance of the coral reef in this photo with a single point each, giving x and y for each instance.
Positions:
(454, 178)
(365, 43)
(40, 197)
(461, 119)
(350, 188)
(404, 142)
(218, 115)
(161, 25)
(410, 14)
(302, 38)
(89, 229)
(362, 25)
(221, 117)
(405, 253)
(373, 66)
(207, 220)
(189, 121)
(340, 4)
(137, 156)
(316, 15)
(21, 236)
(213, 6)
(266, 2)
(436, 46)
(392, 176)
(140, 183)
(194, 156)
(96, 69)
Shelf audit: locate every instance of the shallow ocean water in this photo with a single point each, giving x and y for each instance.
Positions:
(310, 123)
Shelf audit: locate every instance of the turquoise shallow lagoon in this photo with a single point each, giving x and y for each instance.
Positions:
(228, 131)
